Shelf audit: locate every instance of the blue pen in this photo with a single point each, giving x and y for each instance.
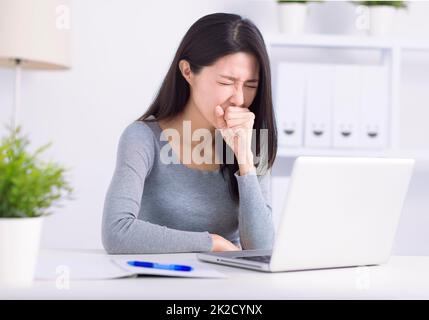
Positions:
(146, 264)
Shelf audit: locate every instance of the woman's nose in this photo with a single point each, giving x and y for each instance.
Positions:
(238, 98)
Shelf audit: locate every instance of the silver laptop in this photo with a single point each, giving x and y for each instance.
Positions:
(338, 212)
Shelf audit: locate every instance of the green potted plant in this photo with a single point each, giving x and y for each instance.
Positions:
(292, 16)
(381, 15)
(29, 187)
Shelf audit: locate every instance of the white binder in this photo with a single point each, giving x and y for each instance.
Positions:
(373, 128)
(318, 111)
(289, 104)
(346, 105)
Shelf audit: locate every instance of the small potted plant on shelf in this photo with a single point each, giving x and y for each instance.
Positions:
(381, 15)
(292, 16)
(28, 188)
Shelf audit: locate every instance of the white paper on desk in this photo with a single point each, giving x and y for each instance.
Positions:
(77, 266)
(199, 270)
(82, 266)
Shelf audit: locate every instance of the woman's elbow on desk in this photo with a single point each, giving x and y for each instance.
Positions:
(110, 241)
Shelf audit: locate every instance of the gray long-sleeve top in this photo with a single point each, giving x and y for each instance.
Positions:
(154, 207)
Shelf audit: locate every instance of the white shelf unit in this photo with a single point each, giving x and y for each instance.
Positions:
(391, 50)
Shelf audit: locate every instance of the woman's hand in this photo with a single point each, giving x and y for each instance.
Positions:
(236, 125)
(221, 244)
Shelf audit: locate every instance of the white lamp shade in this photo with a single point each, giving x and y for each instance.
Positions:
(34, 31)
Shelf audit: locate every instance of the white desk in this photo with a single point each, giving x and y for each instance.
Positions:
(404, 277)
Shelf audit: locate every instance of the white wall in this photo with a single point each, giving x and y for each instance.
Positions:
(121, 51)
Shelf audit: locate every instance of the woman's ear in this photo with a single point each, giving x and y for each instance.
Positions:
(186, 71)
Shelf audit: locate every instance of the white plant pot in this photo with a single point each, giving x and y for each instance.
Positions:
(381, 20)
(292, 17)
(19, 249)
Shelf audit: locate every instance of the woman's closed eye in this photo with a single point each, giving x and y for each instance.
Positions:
(230, 84)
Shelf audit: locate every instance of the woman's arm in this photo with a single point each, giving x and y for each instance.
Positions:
(122, 232)
(256, 226)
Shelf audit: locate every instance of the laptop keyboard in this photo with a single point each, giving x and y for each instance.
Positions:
(264, 259)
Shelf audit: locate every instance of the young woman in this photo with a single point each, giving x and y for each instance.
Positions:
(218, 82)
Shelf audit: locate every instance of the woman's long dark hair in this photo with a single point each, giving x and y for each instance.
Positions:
(210, 38)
